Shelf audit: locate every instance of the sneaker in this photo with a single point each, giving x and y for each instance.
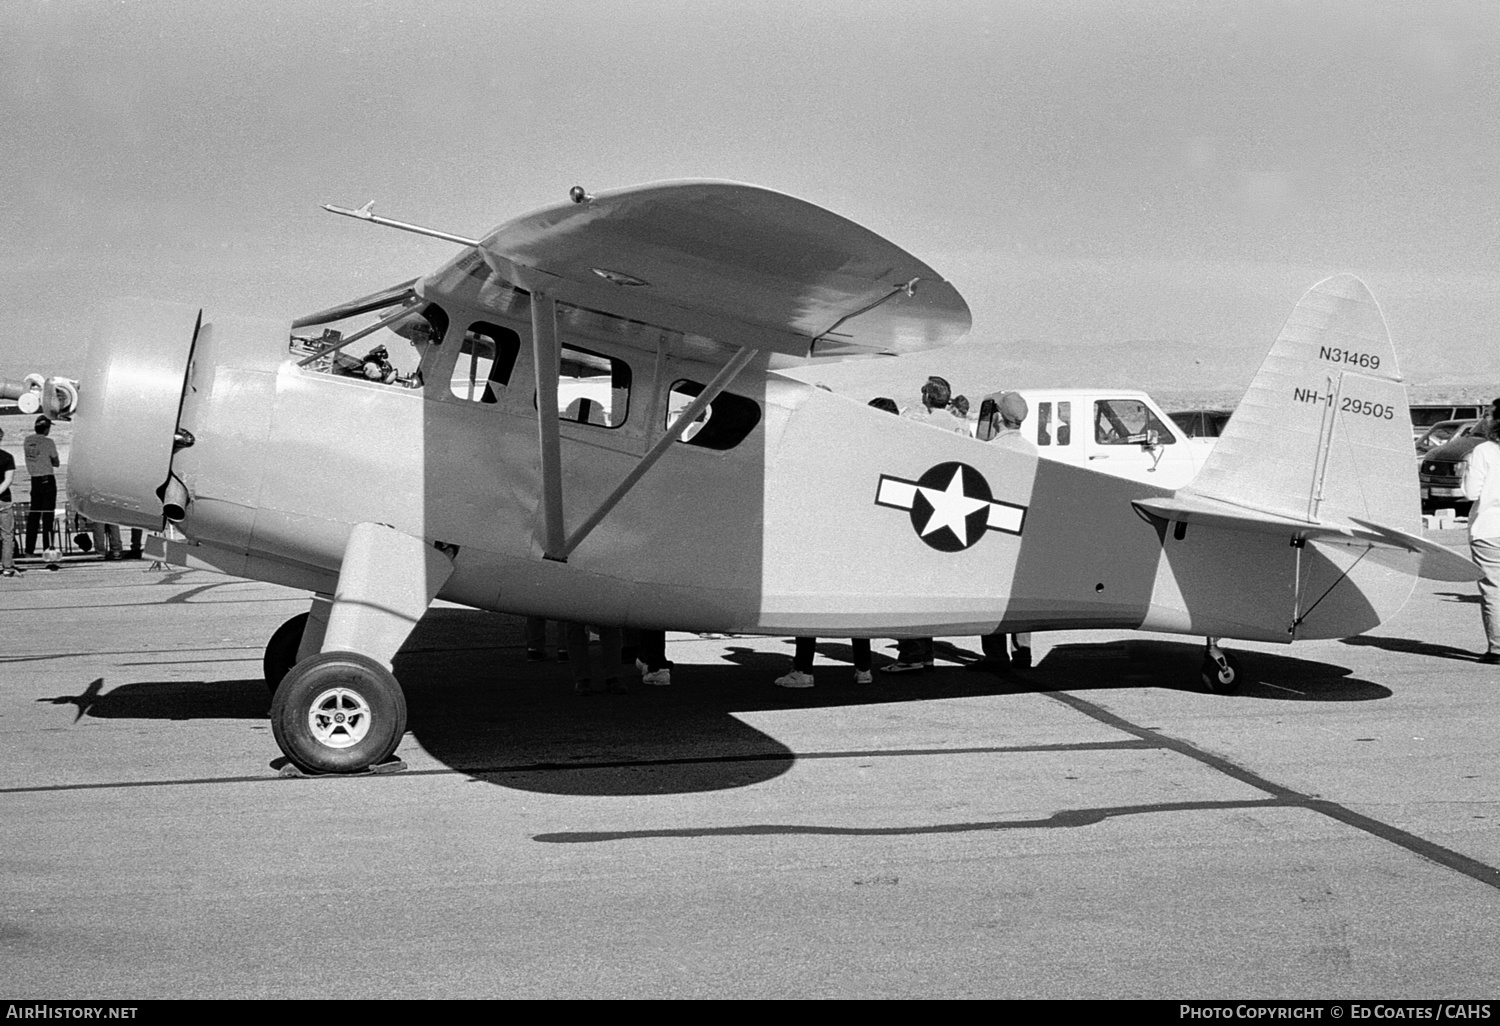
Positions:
(585, 687)
(616, 686)
(53, 566)
(657, 678)
(640, 666)
(795, 679)
(1021, 658)
(10, 571)
(900, 667)
(863, 677)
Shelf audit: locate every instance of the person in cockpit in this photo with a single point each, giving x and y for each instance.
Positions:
(377, 366)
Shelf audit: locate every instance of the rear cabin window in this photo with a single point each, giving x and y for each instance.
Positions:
(592, 388)
(1128, 422)
(725, 423)
(486, 358)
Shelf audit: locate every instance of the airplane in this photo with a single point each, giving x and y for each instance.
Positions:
(586, 418)
(54, 396)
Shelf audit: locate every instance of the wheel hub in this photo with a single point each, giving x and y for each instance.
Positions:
(339, 718)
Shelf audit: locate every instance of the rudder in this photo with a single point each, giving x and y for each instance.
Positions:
(1324, 432)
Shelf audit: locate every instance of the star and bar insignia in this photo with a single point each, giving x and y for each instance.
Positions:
(951, 506)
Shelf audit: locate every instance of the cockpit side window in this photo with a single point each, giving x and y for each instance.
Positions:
(486, 358)
(592, 388)
(723, 424)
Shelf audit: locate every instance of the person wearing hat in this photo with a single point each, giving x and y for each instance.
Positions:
(41, 461)
(1005, 417)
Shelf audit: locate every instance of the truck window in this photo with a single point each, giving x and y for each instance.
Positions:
(1128, 422)
(1064, 423)
(1043, 423)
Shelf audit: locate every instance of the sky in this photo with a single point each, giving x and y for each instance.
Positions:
(1132, 179)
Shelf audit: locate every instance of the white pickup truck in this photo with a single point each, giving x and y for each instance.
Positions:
(1114, 431)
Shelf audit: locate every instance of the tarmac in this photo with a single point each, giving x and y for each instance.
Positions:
(1097, 826)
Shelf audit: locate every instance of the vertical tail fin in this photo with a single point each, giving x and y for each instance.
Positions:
(1324, 433)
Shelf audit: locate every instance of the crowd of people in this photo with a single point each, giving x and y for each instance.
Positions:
(42, 462)
(998, 421)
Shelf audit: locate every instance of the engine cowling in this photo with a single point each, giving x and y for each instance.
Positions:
(130, 398)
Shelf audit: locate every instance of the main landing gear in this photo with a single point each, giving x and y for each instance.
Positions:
(338, 712)
(1221, 671)
(336, 707)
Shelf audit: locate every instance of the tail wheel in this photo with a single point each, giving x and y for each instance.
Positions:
(281, 650)
(338, 712)
(1221, 679)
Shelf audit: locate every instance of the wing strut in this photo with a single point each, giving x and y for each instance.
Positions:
(721, 381)
(545, 358)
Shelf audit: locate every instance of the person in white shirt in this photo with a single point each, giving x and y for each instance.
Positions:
(1480, 474)
(934, 411)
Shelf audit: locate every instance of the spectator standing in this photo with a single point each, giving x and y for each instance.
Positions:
(651, 658)
(1480, 474)
(802, 664)
(1004, 428)
(41, 462)
(536, 639)
(610, 640)
(7, 514)
(936, 395)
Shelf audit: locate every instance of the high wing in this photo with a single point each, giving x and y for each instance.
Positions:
(717, 263)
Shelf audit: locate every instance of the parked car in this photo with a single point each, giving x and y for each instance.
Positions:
(1424, 417)
(1201, 423)
(1438, 473)
(1444, 431)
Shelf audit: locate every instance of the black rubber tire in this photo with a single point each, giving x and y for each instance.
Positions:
(281, 650)
(365, 683)
(1219, 681)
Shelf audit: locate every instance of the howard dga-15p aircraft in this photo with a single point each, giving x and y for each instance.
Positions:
(581, 416)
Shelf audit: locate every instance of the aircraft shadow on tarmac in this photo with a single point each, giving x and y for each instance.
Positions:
(479, 707)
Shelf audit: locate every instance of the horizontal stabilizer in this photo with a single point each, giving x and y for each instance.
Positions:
(1408, 552)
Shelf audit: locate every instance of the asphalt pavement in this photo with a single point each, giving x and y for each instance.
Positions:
(1097, 826)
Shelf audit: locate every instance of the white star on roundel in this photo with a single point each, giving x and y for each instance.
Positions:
(951, 508)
